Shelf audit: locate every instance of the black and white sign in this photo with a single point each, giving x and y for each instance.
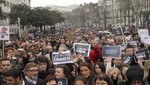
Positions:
(111, 51)
(135, 43)
(82, 49)
(142, 53)
(61, 58)
(62, 81)
(130, 59)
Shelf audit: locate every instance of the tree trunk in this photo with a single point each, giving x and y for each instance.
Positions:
(129, 17)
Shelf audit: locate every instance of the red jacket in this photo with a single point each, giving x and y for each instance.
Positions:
(95, 54)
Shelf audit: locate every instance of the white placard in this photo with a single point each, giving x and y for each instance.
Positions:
(4, 33)
(145, 38)
(61, 58)
(143, 31)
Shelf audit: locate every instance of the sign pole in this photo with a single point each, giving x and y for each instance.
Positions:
(122, 34)
(3, 49)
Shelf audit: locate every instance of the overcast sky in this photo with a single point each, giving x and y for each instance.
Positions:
(35, 3)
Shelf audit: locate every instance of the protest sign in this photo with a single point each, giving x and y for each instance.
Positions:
(135, 43)
(117, 31)
(142, 53)
(82, 49)
(130, 59)
(31, 34)
(111, 51)
(4, 33)
(145, 38)
(61, 58)
(62, 81)
(71, 37)
(143, 31)
(25, 34)
(97, 38)
(79, 37)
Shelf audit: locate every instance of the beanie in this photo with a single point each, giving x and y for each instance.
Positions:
(135, 73)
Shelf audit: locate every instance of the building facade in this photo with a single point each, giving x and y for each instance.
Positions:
(6, 9)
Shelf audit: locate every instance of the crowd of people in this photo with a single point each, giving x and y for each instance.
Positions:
(29, 61)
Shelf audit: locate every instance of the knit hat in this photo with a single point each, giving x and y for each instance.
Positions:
(135, 73)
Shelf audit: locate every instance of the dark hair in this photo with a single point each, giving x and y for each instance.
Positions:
(81, 78)
(88, 65)
(5, 59)
(101, 66)
(43, 59)
(104, 77)
(50, 78)
(66, 71)
(14, 72)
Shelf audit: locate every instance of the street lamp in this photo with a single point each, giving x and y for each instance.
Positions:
(19, 27)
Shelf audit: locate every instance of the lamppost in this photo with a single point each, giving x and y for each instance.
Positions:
(19, 27)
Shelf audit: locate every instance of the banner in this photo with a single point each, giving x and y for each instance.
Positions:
(4, 33)
(61, 58)
(62, 81)
(82, 49)
(143, 31)
(111, 51)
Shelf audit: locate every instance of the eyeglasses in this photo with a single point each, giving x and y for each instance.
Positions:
(6, 65)
(33, 70)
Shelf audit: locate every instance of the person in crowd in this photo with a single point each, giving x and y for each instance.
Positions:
(103, 79)
(31, 74)
(117, 62)
(10, 53)
(45, 66)
(2, 79)
(86, 70)
(62, 71)
(13, 77)
(50, 80)
(5, 64)
(115, 74)
(80, 80)
(134, 76)
(99, 67)
(96, 53)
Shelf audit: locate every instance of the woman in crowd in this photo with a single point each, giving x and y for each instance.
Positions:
(86, 70)
(62, 71)
(99, 67)
(50, 80)
(115, 74)
(46, 67)
(80, 80)
(103, 79)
